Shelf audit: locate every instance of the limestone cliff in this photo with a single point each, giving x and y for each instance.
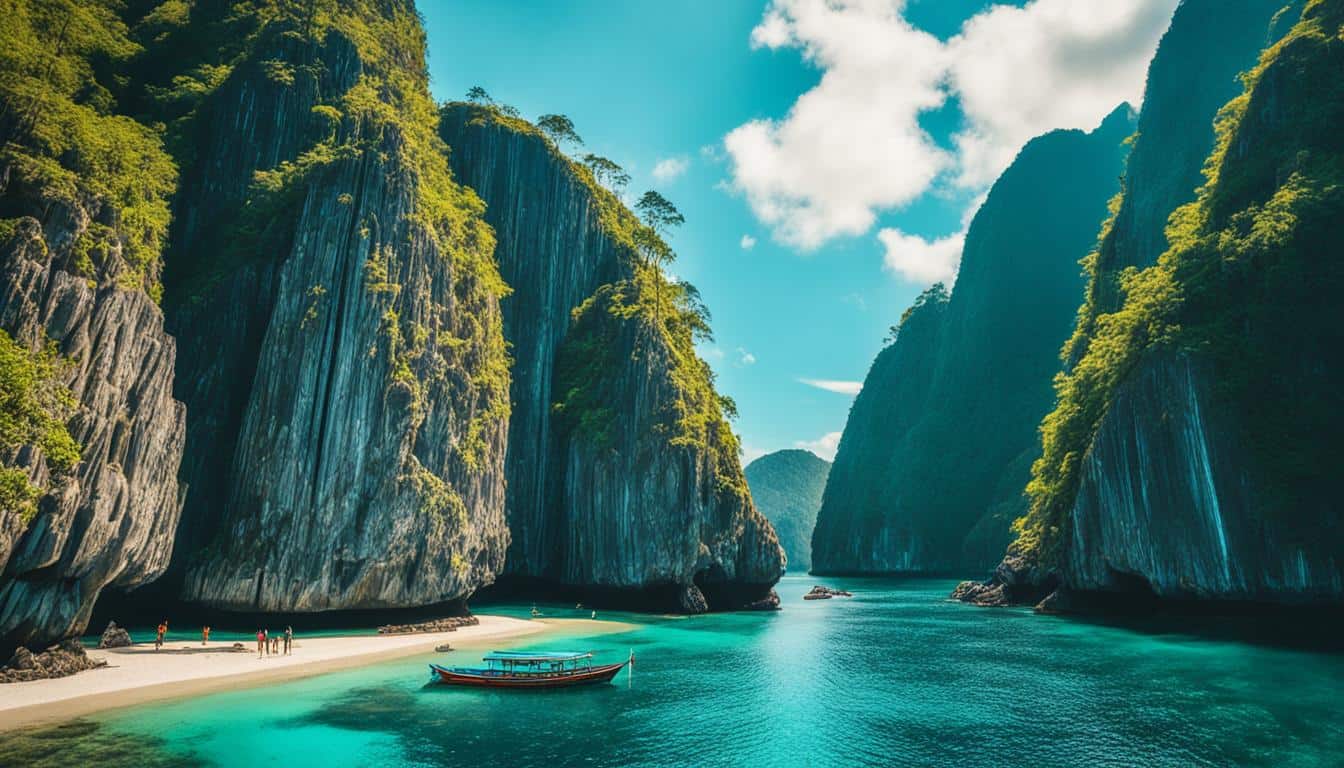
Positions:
(1195, 449)
(347, 388)
(83, 205)
(930, 468)
(623, 474)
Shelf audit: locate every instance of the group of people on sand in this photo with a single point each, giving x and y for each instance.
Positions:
(266, 642)
(271, 643)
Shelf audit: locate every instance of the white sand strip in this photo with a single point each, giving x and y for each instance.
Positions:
(139, 673)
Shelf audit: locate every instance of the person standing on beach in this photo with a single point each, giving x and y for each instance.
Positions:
(289, 638)
(205, 635)
(159, 633)
(261, 642)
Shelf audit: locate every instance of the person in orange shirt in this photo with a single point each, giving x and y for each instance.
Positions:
(205, 635)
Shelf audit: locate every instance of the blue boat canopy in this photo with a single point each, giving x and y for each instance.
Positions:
(527, 656)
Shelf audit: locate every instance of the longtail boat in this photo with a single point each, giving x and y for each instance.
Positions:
(543, 669)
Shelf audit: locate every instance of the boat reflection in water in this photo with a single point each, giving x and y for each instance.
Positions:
(537, 669)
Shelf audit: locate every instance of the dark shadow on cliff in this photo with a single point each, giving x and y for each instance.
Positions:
(148, 606)
(1293, 627)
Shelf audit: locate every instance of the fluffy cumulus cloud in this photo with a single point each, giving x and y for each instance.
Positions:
(833, 385)
(810, 175)
(670, 168)
(852, 147)
(919, 260)
(823, 446)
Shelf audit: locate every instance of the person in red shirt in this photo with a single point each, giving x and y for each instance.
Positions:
(261, 642)
(158, 636)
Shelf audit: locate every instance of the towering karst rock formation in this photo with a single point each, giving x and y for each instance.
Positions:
(787, 487)
(623, 472)
(930, 469)
(1194, 452)
(90, 435)
(347, 377)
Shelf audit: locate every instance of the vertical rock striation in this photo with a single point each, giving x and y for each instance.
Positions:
(935, 453)
(1194, 451)
(111, 522)
(357, 419)
(637, 506)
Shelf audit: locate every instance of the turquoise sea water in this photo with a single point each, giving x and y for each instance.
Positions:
(895, 676)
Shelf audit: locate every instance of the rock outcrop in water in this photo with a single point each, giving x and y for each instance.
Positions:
(623, 474)
(348, 382)
(937, 448)
(1194, 451)
(82, 207)
(787, 487)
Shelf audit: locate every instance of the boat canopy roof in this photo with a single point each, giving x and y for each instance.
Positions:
(527, 656)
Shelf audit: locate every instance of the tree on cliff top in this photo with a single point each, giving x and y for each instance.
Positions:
(559, 128)
(607, 172)
(659, 215)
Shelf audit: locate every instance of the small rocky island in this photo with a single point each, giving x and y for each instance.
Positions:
(826, 593)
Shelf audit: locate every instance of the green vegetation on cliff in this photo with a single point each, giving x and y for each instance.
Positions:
(386, 117)
(670, 313)
(787, 487)
(929, 472)
(65, 139)
(33, 408)
(1249, 284)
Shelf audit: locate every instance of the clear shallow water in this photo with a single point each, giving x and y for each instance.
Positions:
(897, 675)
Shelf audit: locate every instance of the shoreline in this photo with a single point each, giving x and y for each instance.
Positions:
(138, 674)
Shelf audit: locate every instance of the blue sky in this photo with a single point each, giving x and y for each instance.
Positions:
(845, 142)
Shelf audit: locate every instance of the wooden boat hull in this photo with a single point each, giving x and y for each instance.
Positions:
(495, 679)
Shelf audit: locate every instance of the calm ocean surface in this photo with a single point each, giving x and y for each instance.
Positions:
(895, 676)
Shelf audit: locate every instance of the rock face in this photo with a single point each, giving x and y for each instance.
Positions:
(1165, 496)
(111, 523)
(787, 487)
(631, 510)
(1210, 473)
(61, 660)
(937, 448)
(114, 637)
(352, 431)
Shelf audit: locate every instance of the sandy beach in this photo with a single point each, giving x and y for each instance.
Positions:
(139, 674)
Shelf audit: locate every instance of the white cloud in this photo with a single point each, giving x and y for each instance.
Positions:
(744, 357)
(1020, 72)
(851, 147)
(748, 242)
(670, 168)
(833, 385)
(810, 175)
(919, 260)
(823, 446)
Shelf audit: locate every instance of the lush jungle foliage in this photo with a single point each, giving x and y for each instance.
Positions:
(33, 408)
(66, 140)
(643, 315)
(1249, 286)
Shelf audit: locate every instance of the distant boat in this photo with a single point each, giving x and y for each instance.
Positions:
(542, 669)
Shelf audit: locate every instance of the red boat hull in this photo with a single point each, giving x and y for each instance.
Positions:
(496, 679)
